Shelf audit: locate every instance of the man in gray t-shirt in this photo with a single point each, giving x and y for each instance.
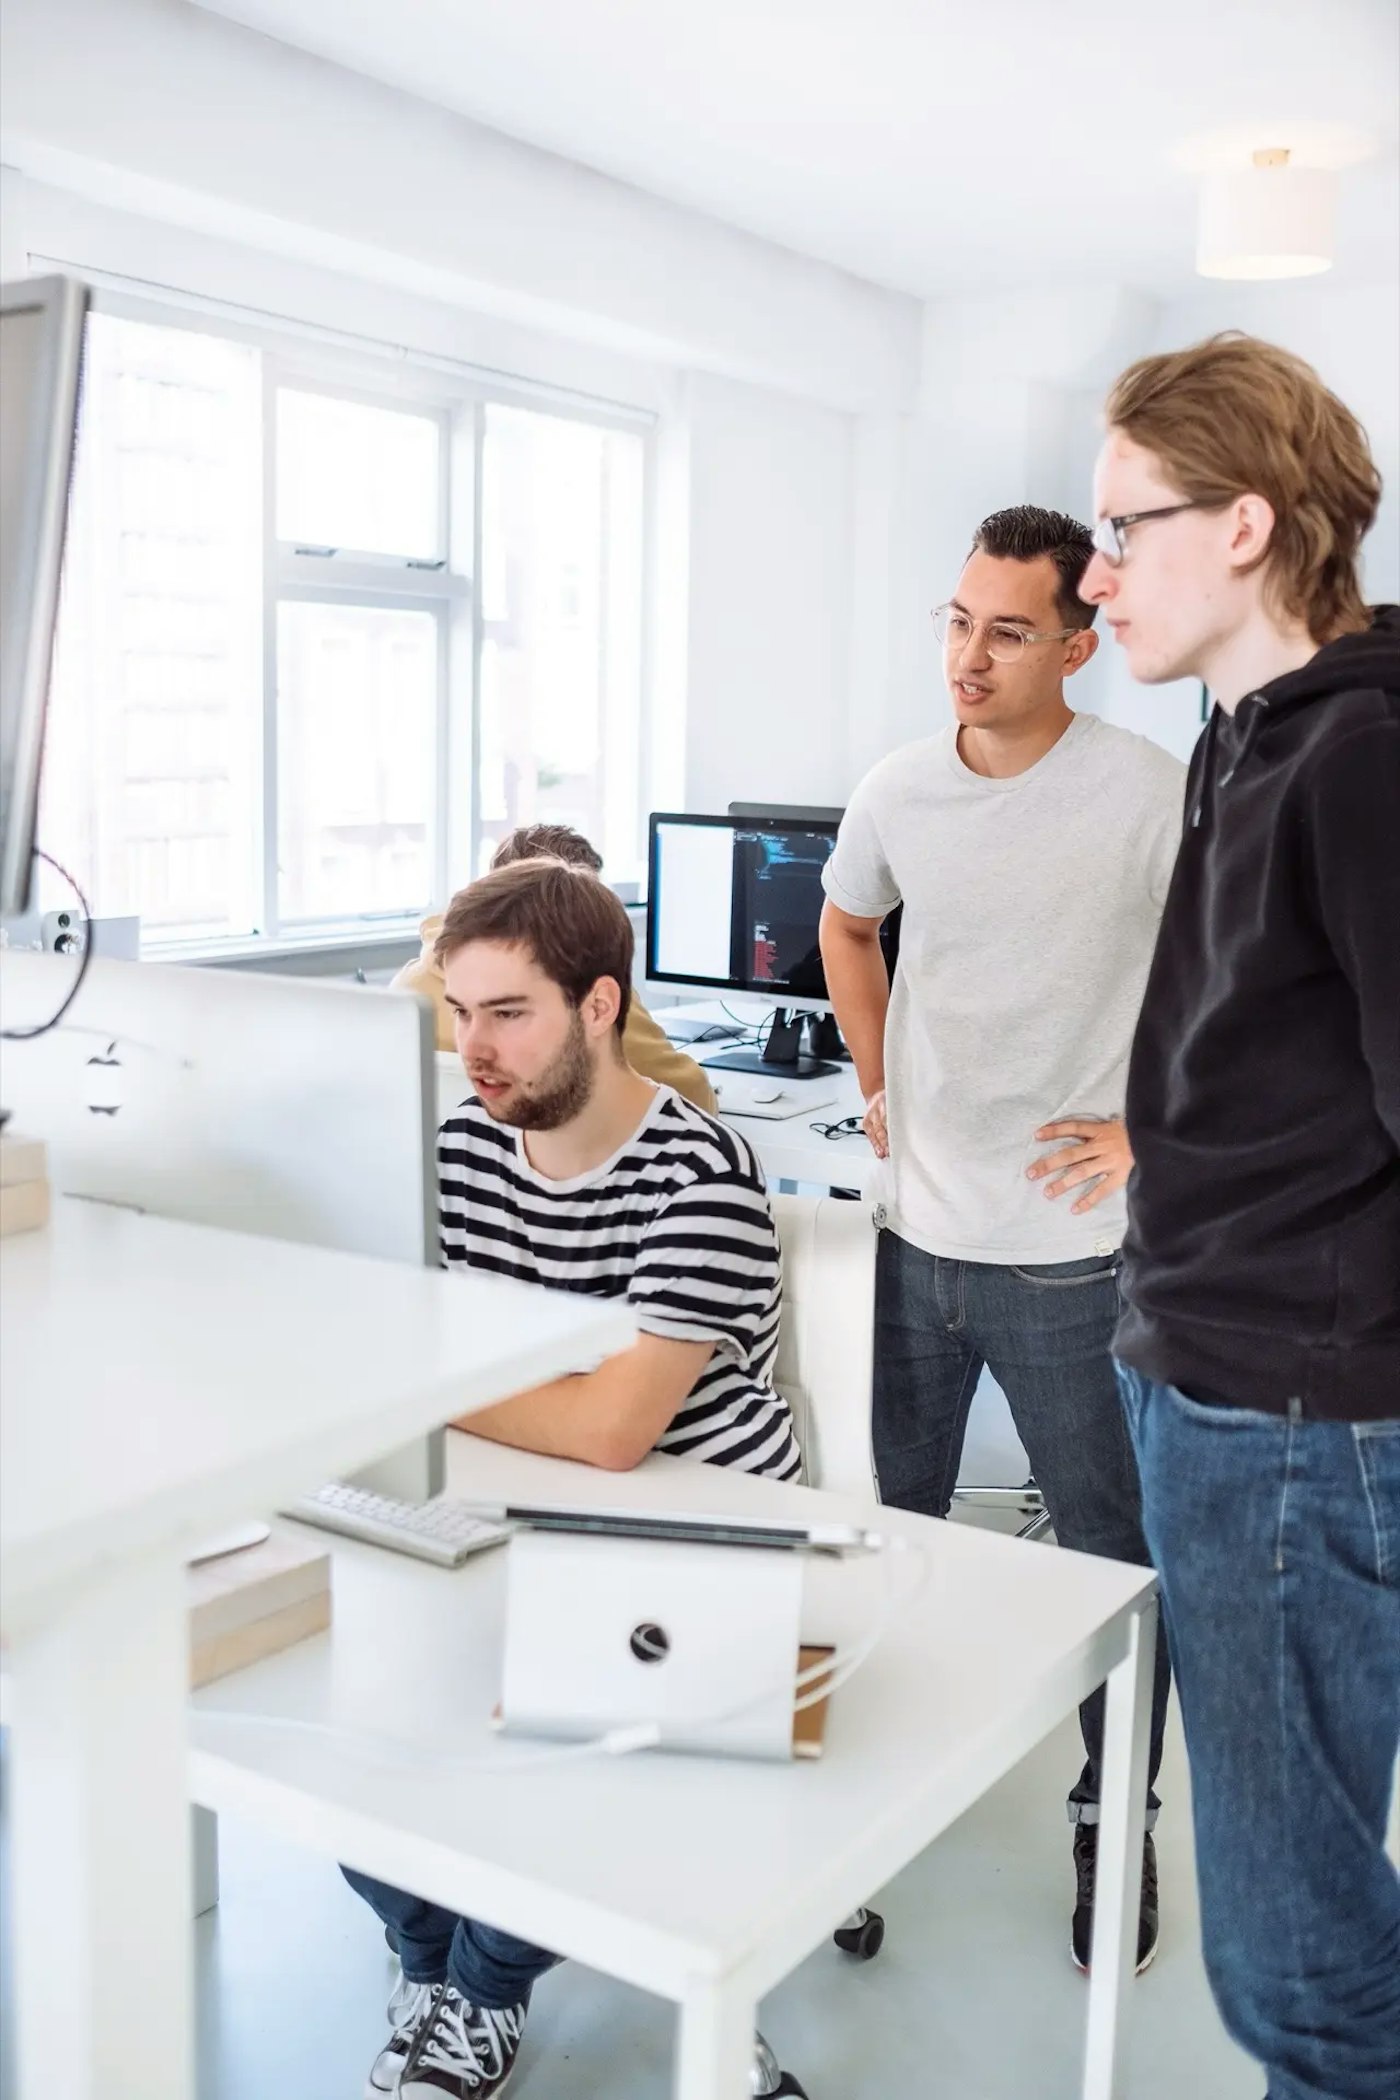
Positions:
(1031, 849)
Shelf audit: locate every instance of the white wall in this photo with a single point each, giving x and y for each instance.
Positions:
(770, 574)
(158, 108)
(156, 144)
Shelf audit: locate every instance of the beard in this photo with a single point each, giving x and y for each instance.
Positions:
(562, 1091)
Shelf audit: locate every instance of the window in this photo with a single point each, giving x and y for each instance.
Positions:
(151, 759)
(275, 711)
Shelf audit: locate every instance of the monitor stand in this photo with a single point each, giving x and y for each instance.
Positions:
(781, 1056)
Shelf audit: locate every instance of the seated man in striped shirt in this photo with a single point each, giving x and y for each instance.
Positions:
(568, 1169)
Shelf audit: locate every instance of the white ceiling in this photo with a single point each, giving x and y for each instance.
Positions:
(929, 145)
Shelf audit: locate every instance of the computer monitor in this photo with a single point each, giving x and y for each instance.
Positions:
(41, 343)
(273, 1105)
(822, 813)
(734, 904)
(789, 812)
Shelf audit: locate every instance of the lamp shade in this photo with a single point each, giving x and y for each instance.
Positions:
(1267, 220)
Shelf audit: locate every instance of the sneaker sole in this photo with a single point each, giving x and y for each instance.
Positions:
(506, 2080)
(1141, 1970)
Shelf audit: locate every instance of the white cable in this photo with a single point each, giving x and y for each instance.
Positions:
(813, 1684)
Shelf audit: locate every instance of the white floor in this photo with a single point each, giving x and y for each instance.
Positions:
(973, 1998)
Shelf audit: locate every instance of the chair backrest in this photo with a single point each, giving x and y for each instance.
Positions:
(826, 1342)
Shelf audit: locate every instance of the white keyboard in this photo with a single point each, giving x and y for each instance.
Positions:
(445, 1533)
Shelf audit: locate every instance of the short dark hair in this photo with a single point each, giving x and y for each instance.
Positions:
(571, 924)
(1026, 533)
(548, 842)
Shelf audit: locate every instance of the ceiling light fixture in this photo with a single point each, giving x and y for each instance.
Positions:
(1269, 219)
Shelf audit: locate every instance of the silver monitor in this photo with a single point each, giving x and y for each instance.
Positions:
(273, 1105)
(41, 343)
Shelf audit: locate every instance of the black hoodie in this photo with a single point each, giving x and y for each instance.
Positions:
(1262, 1262)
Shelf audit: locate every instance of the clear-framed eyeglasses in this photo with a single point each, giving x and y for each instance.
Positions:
(1005, 643)
(1110, 533)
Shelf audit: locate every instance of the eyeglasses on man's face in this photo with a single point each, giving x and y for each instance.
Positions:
(1109, 533)
(1005, 642)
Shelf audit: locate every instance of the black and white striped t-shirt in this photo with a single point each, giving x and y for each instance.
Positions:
(677, 1222)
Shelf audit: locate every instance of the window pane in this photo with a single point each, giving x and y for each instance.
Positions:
(151, 770)
(561, 592)
(356, 713)
(357, 478)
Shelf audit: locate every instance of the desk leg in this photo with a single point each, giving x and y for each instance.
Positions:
(714, 2059)
(101, 1844)
(1127, 1727)
(204, 1860)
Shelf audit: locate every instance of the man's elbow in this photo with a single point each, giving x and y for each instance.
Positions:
(839, 931)
(618, 1447)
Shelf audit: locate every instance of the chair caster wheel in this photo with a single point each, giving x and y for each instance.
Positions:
(863, 1937)
(767, 2081)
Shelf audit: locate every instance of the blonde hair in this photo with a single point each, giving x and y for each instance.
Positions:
(1234, 416)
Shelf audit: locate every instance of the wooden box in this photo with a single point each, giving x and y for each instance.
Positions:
(247, 1605)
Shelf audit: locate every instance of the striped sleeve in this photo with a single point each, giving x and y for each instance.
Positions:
(708, 1270)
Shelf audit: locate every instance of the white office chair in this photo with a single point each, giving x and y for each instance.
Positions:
(826, 1347)
(826, 1344)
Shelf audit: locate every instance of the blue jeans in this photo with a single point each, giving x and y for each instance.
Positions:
(1277, 1542)
(1044, 1334)
(489, 1968)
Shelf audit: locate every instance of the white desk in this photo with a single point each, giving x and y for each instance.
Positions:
(705, 1881)
(790, 1150)
(159, 1381)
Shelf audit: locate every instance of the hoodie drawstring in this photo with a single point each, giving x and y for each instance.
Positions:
(1207, 762)
(1258, 708)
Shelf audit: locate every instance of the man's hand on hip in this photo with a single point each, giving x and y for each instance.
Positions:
(1098, 1152)
(876, 1126)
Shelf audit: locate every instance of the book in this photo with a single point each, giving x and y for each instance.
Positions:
(252, 1603)
(24, 1207)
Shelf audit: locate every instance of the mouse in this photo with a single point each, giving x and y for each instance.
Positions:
(764, 1096)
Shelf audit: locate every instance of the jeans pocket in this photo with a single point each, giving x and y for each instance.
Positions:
(1218, 1413)
(1070, 1275)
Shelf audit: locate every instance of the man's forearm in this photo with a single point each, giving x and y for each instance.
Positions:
(608, 1417)
(561, 1420)
(859, 986)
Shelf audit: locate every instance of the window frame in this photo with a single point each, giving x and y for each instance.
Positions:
(456, 395)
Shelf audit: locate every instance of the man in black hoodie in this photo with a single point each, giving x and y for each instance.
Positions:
(1259, 1352)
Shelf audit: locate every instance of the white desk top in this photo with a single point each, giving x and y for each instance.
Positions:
(790, 1149)
(657, 1867)
(160, 1380)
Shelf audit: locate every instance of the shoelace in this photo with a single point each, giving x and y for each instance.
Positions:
(468, 2040)
(408, 2004)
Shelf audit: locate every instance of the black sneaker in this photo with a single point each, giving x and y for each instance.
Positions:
(1086, 1862)
(461, 2051)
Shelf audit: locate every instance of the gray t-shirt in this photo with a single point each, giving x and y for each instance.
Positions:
(1030, 914)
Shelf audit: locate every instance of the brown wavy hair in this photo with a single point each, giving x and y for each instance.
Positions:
(562, 915)
(1234, 416)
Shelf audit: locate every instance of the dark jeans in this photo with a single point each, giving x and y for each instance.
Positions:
(489, 1968)
(1277, 1542)
(1045, 1335)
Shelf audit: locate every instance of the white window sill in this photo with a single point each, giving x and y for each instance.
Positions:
(290, 947)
